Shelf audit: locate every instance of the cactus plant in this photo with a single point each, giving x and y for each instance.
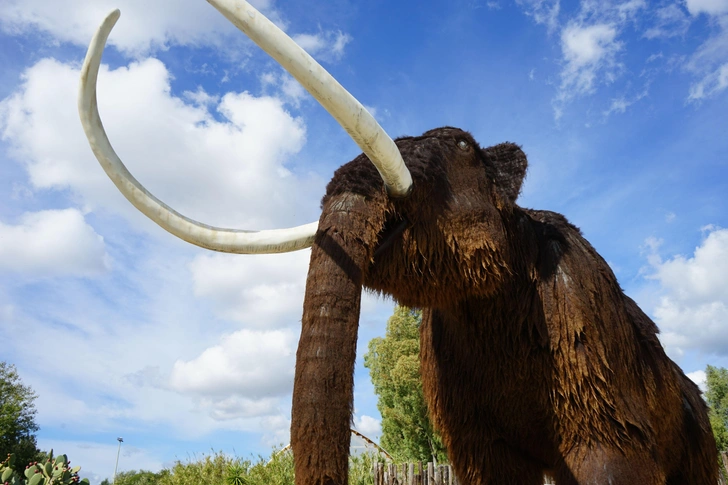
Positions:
(51, 472)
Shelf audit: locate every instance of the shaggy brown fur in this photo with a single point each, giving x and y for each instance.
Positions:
(532, 357)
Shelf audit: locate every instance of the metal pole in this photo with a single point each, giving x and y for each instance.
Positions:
(120, 440)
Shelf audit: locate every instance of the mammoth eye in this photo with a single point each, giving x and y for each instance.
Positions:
(463, 145)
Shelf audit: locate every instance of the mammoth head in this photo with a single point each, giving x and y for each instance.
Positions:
(449, 236)
(425, 219)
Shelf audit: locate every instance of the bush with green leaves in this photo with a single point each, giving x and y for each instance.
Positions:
(221, 469)
(47, 472)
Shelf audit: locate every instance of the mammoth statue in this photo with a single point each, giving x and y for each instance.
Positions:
(533, 359)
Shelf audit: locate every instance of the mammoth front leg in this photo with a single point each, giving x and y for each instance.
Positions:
(323, 388)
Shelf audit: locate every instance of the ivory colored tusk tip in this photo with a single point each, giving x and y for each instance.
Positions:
(113, 15)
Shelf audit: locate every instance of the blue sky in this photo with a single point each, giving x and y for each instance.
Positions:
(123, 330)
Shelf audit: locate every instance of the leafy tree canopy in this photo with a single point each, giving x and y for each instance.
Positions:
(717, 396)
(17, 417)
(394, 367)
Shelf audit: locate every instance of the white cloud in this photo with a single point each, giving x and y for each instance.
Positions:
(629, 9)
(621, 104)
(227, 173)
(693, 304)
(235, 407)
(51, 243)
(587, 50)
(668, 21)
(312, 43)
(711, 7)
(544, 12)
(143, 26)
(201, 98)
(326, 46)
(710, 61)
(139, 341)
(251, 364)
(292, 90)
(713, 83)
(256, 290)
(368, 426)
(244, 376)
(699, 378)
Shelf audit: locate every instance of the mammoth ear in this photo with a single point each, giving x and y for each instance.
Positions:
(509, 165)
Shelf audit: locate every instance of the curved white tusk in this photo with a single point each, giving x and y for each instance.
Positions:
(350, 114)
(217, 239)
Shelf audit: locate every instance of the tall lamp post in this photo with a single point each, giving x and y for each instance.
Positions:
(120, 440)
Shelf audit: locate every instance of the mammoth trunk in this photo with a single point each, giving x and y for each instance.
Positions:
(324, 382)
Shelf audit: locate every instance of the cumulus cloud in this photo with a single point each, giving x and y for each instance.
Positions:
(693, 303)
(52, 243)
(291, 91)
(201, 98)
(143, 26)
(710, 7)
(158, 359)
(326, 46)
(699, 378)
(227, 172)
(250, 363)
(368, 426)
(242, 377)
(255, 290)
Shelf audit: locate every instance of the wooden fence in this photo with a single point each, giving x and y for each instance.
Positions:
(418, 474)
(431, 474)
(413, 474)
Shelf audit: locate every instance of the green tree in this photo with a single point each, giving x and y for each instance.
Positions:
(141, 477)
(17, 418)
(394, 367)
(716, 379)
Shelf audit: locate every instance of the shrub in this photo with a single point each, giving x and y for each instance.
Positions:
(47, 472)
